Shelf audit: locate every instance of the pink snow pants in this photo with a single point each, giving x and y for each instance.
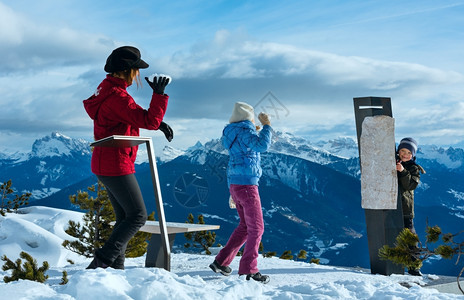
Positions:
(249, 230)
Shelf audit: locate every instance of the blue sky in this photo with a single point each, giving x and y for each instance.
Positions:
(301, 61)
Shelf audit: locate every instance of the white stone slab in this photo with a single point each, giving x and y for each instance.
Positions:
(379, 182)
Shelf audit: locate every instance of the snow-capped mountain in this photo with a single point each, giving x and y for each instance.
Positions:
(58, 145)
(7, 157)
(169, 153)
(288, 144)
(450, 157)
(344, 147)
(54, 162)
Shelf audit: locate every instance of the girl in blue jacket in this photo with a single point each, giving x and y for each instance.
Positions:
(244, 144)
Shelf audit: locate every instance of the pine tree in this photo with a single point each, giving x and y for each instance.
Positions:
(20, 200)
(409, 251)
(303, 255)
(5, 190)
(7, 205)
(315, 260)
(28, 270)
(97, 218)
(96, 228)
(199, 239)
(405, 251)
(64, 279)
(286, 255)
(267, 253)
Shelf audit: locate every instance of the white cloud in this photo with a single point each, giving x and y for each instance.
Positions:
(27, 45)
(236, 56)
(317, 87)
(10, 26)
(52, 67)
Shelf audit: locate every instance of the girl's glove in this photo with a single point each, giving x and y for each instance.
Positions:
(167, 130)
(158, 84)
(264, 119)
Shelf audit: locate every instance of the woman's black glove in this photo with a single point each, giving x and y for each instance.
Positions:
(167, 130)
(158, 84)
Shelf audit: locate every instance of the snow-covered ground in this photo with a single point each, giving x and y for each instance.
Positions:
(40, 231)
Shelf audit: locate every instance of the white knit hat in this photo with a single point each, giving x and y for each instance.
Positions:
(242, 111)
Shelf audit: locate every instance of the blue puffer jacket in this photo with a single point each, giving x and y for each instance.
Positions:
(244, 145)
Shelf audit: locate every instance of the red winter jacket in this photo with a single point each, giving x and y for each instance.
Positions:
(114, 112)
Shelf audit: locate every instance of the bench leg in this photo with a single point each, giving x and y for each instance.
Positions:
(155, 254)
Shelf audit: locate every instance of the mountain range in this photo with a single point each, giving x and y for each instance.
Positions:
(310, 191)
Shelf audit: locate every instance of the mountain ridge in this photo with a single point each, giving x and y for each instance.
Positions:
(310, 197)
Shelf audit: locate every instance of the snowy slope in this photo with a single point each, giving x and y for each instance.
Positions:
(39, 231)
(190, 278)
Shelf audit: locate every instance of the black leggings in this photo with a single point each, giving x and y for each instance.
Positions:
(131, 214)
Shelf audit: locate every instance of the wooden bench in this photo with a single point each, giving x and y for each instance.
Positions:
(163, 233)
(155, 257)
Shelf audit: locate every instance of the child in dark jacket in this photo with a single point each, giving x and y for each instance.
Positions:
(408, 179)
(244, 144)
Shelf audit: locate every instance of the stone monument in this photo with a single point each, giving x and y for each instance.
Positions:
(376, 142)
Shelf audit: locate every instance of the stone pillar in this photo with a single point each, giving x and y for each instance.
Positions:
(379, 180)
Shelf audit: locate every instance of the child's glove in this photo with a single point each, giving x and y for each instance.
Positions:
(264, 119)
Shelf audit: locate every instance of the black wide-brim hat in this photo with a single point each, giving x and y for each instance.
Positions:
(124, 58)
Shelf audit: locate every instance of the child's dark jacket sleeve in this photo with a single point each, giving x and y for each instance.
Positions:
(409, 178)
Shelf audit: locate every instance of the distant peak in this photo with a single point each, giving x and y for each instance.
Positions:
(57, 144)
(197, 146)
(57, 135)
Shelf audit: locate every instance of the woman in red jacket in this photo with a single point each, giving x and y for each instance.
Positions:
(114, 112)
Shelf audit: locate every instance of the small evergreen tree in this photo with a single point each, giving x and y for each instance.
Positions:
(303, 255)
(315, 260)
(5, 190)
(266, 254)
(7, 205)
(409, 251)
(18, 201)
(64, 279)
(28, 270)
(199, 239)
(99, 214)
(96, 228)
(286, 255)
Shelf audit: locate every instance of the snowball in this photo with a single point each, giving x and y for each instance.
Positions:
(152, 77)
